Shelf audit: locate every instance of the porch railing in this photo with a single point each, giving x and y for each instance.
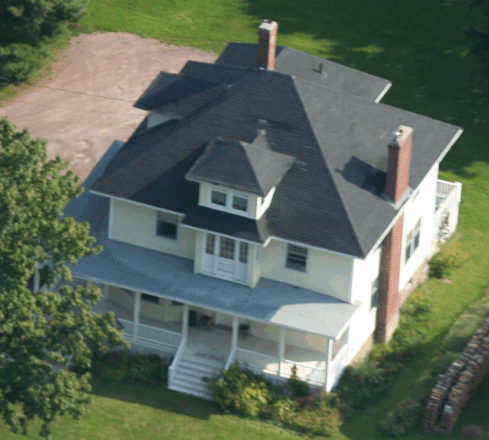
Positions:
(305, 372)
(230, 358)
(155, 335)
(176, 360)
(258, 362)
(128, 326)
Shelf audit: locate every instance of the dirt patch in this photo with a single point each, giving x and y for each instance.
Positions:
(88, 100)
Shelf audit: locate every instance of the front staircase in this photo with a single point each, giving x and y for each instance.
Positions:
(189, 373)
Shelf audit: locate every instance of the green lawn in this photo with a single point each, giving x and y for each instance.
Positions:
(421, 47)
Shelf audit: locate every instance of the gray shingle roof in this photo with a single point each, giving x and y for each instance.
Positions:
(240, 166)
(227, 224)
(330, 196)
(306, 66)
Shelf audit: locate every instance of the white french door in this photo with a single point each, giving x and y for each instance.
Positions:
(225, 258)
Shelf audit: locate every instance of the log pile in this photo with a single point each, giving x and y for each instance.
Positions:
(453, 389)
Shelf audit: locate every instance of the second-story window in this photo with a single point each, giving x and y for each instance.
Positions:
(166, 225)
(296, 257)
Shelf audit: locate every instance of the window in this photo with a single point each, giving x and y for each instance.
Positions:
(412, 241)
(227, 248)
(229, 200)
(218, 198)
(150, 298)
(209, 244)
(374, 301)
(166, 225)
(296, 257)
(243, 252)
(240, 203)
(339, 344)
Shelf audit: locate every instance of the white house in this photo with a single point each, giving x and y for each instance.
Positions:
(265, 212)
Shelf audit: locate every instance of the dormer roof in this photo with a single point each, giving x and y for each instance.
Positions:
(241, 166)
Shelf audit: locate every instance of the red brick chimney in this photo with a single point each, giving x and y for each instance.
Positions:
(398, 163)
(396, 186)
(389, 295)
(267, 39)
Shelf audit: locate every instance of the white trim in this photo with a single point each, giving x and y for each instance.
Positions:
(267, 241)
(350, 290)
(137, 203)
(281, 348)
(111, 218)
(383, 92)
(230, 193)
(222, 235)
(185, 321)
(447, 148)
(194, 304)
(234, 338)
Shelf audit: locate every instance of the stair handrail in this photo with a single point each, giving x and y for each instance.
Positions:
(176, 360)
(230, 358)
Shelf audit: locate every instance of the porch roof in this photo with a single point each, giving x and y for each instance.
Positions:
(153, 272)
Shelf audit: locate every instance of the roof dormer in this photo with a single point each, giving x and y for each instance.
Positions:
(239, 177)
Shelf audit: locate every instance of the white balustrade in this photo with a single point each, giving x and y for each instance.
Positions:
(256, 361)
(157, 335)
(304, 372)
(176, 360)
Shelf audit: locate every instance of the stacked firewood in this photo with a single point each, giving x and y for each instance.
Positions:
(452, 391)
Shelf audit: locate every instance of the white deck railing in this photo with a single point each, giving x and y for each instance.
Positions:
(448, 197)
(155, 335)
(257, 362)
(305, 372)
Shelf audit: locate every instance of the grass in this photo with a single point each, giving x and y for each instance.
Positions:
(421, 47)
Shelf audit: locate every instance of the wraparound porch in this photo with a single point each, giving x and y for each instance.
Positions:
(223, 341)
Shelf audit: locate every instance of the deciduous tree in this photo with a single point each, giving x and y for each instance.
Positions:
(42, 328)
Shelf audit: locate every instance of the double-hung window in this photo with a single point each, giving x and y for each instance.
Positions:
(296, 257)
(166, 225)
(412, 241)
(229, 200)
(374, 301)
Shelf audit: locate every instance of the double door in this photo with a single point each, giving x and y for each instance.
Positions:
(226, 258)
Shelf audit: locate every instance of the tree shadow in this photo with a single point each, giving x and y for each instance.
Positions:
(421, 47)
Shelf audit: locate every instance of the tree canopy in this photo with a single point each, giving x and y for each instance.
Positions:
(40, 329)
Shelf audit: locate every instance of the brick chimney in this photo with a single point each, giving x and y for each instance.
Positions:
(396, 186)
(398, 163)
(267, 38)
(389, 295)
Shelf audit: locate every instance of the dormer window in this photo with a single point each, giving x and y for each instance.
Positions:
(229, 200)
(219, 198)
(240, 203)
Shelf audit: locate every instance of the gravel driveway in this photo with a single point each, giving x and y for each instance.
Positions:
(87, 102)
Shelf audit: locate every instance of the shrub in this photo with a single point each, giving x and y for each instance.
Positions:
(19, 61)
(241, 391)
(145, 368)
(441, 266)
(321, 420)
(405, 416)
(113, 372)
(361, 384)
(298, 387)
(282, 410)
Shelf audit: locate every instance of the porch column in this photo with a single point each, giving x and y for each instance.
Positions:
(106, 291)
(185, 322)
(329, 353)
(234, 338)
(135, 319)
(37, 280)
(281, 348)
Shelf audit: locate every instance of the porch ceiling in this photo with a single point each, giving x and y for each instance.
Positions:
(149, 271)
